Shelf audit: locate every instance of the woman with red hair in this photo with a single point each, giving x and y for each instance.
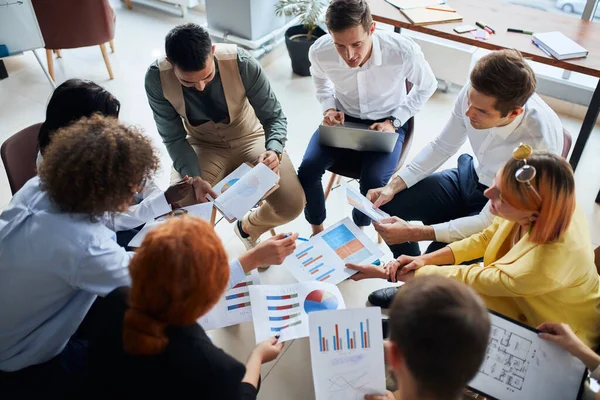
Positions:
(149, 342)
(538, 262)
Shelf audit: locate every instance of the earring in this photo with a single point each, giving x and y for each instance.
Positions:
(530, 224)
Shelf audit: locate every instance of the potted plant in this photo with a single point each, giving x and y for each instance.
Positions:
(299, 38)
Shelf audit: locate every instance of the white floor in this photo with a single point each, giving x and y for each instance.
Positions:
(139, 40)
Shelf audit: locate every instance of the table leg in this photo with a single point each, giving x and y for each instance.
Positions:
(586, 129)
(3, 71)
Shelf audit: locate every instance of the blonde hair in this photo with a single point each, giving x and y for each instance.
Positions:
(554, 182)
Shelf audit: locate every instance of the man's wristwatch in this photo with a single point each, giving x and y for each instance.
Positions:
(396, 122)
(279, 155)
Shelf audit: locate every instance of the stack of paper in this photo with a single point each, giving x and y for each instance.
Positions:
(243, 189)
(559, 45)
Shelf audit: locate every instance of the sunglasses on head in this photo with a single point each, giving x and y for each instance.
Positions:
(525, 173)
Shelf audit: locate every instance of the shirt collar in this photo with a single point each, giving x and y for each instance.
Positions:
(505, 131)
(376, 59)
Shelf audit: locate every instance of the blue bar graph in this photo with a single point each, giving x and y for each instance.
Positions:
(320, 341)
(317, 267)
(303, 252)
(325, 275)
(362, 336)
(307, 261)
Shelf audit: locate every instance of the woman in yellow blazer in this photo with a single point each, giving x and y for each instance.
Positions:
(538, 261)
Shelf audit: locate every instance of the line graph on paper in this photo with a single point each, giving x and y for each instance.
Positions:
(349, 385)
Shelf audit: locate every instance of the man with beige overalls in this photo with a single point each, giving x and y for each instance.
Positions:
(214, 109)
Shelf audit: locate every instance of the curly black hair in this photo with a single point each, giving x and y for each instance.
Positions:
(96, 165)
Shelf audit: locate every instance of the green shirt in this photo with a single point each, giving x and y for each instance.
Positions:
(210, 105)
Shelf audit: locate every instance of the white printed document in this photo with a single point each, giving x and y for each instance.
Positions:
(202, 210)
(346, 352)
(234, 307)
(362, 204)
(242, 189)
(284, 309)
(324, 256)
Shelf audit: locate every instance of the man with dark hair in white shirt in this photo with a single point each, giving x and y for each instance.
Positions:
(360, 76)
(496, 112)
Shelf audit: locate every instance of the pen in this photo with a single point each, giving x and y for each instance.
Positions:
(440, 9)
(491, 29)
(480, 24)
(519, 31)
(542, 49)
(485, 27)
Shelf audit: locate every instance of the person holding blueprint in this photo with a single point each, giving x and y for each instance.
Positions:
(360, 76)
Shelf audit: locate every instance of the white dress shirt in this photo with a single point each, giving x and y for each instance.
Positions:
(538, 126)
(153, 204)
(376, 90)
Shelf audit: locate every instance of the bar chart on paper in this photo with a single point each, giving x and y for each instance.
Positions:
(344, 339)
(323, 257)
(346, 349)
(234, 307)
(283, 309)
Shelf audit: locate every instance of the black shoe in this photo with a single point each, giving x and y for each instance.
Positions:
(383, 297)
(385, 328)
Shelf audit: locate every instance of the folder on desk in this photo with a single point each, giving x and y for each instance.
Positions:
(560, 46)
(425, 16)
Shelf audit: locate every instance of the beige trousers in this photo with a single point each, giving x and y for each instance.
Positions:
(216, 162)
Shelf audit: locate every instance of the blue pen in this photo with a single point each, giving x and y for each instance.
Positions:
(542, 49)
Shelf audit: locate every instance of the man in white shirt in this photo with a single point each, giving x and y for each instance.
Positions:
(496, 112)
(360, 76)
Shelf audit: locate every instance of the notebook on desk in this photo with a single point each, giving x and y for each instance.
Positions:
(409, 4)
(426, 16)
(560, 46)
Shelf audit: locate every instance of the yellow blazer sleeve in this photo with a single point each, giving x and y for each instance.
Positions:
(519, 278)
(475, 245)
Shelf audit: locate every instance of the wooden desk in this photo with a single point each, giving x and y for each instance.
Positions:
(500, 16)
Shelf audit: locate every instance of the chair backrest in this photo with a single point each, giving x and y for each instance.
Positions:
(567, 142)
(67, 24)
(19, 153)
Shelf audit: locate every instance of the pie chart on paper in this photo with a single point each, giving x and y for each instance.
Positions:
(228, 185)
(320, 300)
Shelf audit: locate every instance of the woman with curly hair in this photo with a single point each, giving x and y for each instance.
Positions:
(56, 256)
(78, 98)
(148, 332)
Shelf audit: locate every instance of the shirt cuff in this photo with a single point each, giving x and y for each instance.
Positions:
(408, 177)
(327, 104)
(274, 145)
(459, 256)
(402, 113)
(236, 273)
(442, 232)
(159, 205)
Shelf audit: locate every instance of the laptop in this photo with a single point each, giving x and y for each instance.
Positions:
(356, 136)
